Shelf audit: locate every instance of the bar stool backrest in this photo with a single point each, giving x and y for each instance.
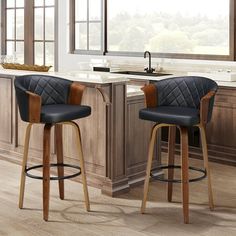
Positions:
(52, 90)
(184, 91)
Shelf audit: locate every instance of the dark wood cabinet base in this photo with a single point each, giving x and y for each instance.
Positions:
(222, 155)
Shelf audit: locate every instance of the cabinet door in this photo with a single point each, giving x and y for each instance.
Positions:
(93, 134)
(36, 137)
(138, 137)
(6, 111)
(221, 133)
(221, 129)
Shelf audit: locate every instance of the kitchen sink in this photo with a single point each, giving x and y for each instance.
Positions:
(140, 73)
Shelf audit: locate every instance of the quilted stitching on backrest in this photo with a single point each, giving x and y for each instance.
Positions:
(184, 91)
(53, 90)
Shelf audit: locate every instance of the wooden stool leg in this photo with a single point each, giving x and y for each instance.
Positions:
(59, 152)
(206, 165)
(82, 166)
(185, 174)
(149, 166)
(46, 169)
(24, 163)
(171, 160)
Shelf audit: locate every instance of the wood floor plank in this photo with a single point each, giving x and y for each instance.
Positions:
(118, 216)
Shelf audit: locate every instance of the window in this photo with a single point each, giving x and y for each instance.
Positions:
(88, 25)
(15, 28)
(21, 25)
(44, 32)
(187, 27)
(180, 29)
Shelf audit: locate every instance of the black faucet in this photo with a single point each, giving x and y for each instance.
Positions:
(149, 69)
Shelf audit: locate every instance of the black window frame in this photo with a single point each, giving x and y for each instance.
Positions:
(4, 34)
(230, 57)
(73, 23)
(29, 31)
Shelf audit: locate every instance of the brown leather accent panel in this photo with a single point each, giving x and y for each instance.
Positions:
(150, 92)
(76, 93)
(34, 107)
(204, 107)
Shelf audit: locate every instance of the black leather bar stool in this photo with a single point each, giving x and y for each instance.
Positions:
(182, 102)
(51, 101)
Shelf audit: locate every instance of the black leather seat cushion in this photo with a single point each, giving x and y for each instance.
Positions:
(63, 112)
(183, 116)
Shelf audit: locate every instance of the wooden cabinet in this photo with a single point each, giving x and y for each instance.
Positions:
(221, 131)
(36, 141)
(137, 139)
(6, 111)
(93, 131)
(114, 158)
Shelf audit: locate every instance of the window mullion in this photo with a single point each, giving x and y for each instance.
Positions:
(3, 32)
(15, 27)
(87, 24)
(29, 32)
(44, 43)
(104, 29)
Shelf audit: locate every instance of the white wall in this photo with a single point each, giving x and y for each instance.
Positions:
(75, 62)
(0, 23)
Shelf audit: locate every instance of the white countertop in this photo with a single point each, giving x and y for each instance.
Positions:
(157, 78)
(80, 76)
(103, 78)
(135, 90)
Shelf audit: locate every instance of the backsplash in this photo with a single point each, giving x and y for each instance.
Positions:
(138, 64)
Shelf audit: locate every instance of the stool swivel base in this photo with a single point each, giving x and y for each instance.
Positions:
(46, 165)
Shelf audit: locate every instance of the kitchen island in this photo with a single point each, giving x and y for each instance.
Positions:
(221, 133)
(115, 141)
